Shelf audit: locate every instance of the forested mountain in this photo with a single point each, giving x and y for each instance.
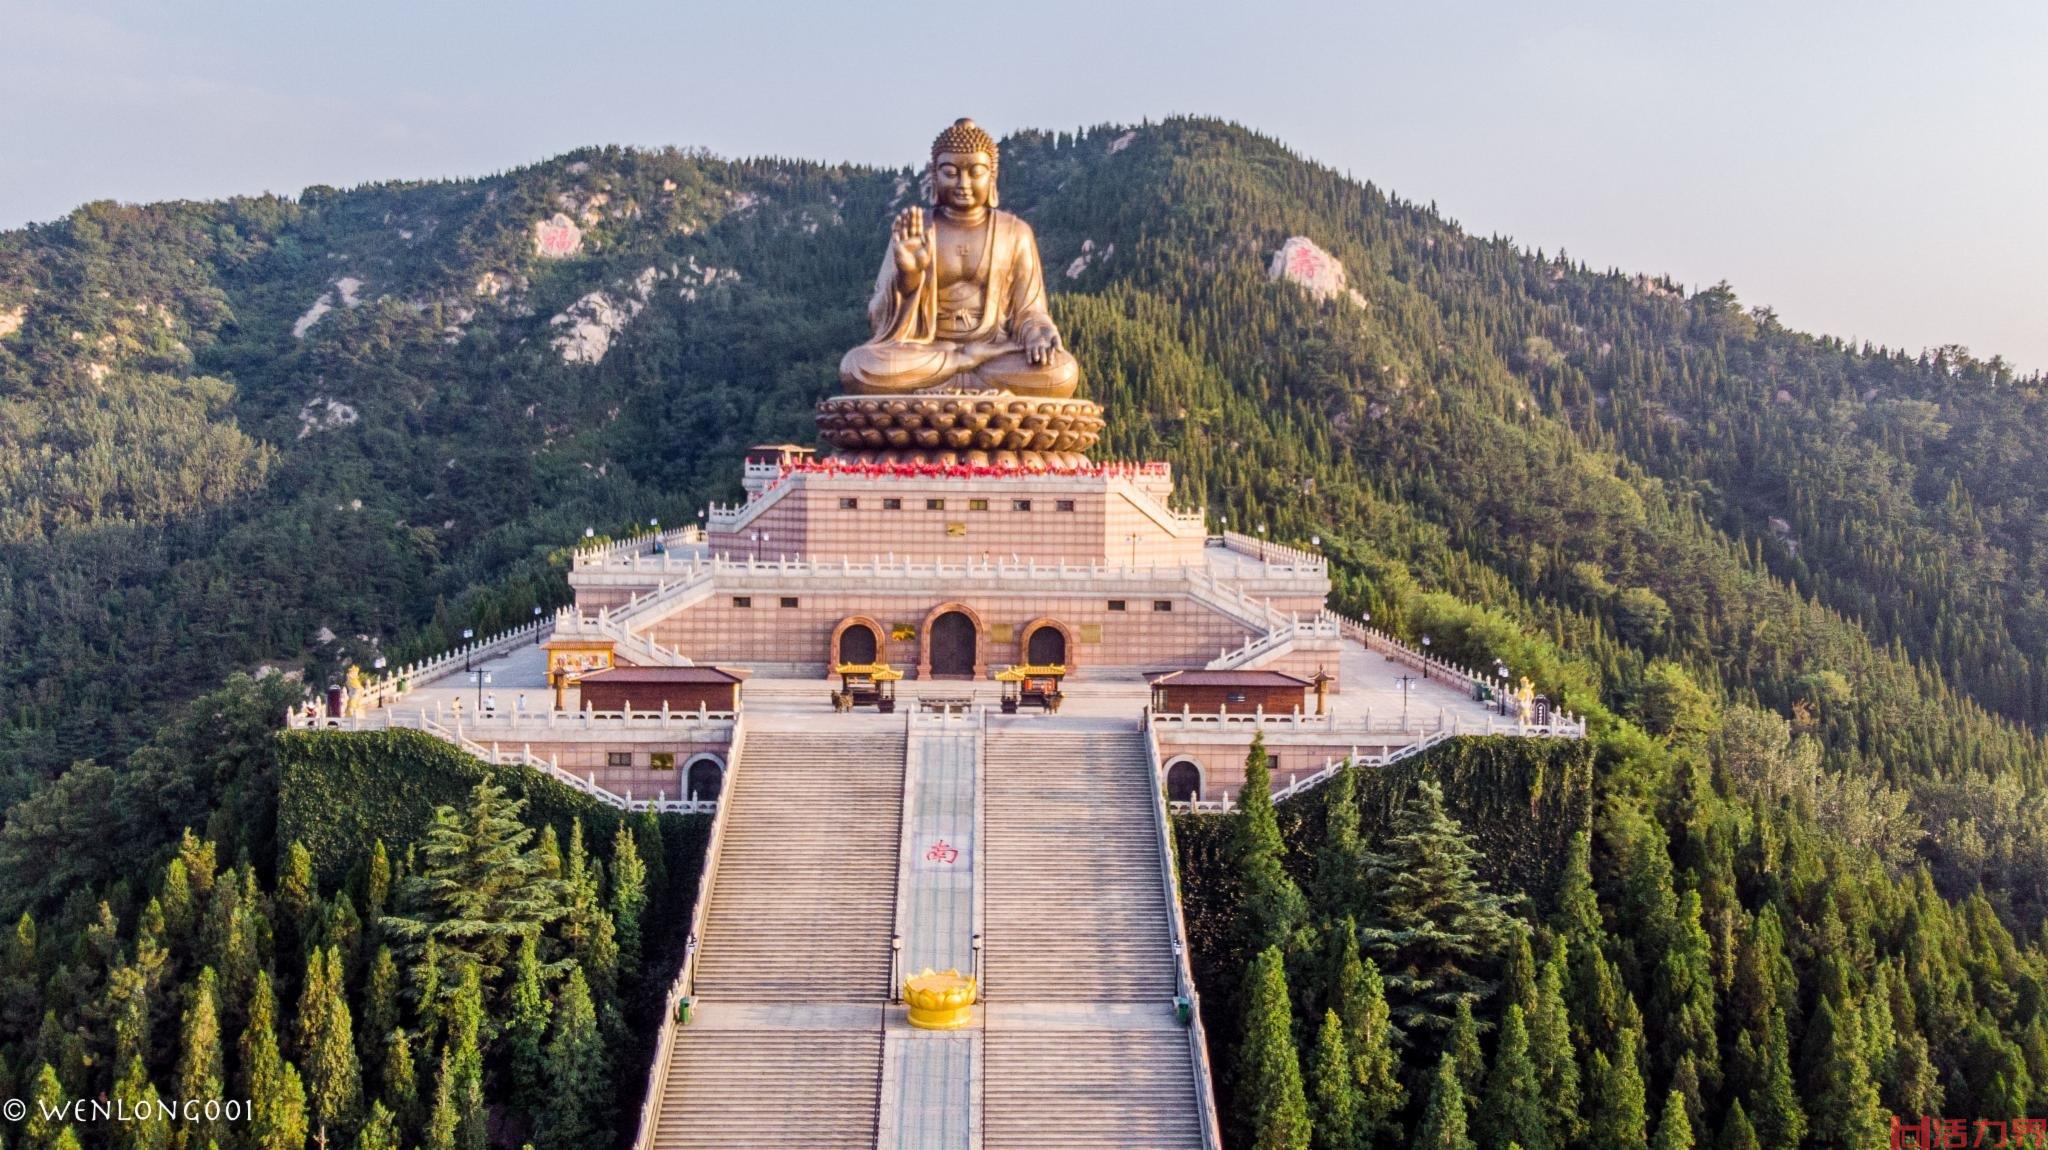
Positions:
(1802, 586)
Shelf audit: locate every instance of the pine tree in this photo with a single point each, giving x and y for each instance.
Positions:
(628, 896)
(466, 1035)
(380, 1014)
(477, 890)
(377, 883)
(273, 1087)
(1340, 861)
(526, 1027)
(653, 852)
(1274, 904)
(44, 1130)
(1843, 1100)
(148, 1129)
(1620, 1120)
(1513, 1107)
(295, 898)
(1443, 1122)
(443, 1120)
(327, 1044)
(1331, 1090)
(201, 1065)
(1737, 1133)
(1683, 999)
(1269, 1071)
(1360, 1000)
(578, 1074)
(1518, 982)
(1780, 1117)
(380, 1130)
(1674, 1129)
(1550, 1049)
(1466, 1054)
(1435, 926)
(401, 1086)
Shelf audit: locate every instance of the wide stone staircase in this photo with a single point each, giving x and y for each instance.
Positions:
(1082, 1046)
(785, 1044)
(1076, 908)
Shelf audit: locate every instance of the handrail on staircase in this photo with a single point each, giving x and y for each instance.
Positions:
(1177, 934)
(685, 983)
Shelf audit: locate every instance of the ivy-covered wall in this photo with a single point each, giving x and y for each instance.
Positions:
(339, 791)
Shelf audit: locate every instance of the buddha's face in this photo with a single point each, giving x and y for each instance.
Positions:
(963, 182)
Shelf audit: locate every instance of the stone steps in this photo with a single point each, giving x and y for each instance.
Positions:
(1061, 1088)
(805, 898)
(1076, 910)
(771, 1088)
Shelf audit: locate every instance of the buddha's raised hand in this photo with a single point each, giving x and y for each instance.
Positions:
(912, 255)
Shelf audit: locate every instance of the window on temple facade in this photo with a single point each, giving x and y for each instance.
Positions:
(977, 505)
(892, 505)
(849, 503)
(1064, 505)
(934, 505)
(742, 601)
(1020, 505)
(1116, 604)
(618, 758)
(789, 601)
(1162, 604)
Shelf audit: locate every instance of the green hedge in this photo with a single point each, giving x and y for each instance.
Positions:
(339, 791)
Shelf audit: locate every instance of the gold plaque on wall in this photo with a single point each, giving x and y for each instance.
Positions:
(1091, 632)
(956, 529)
(1002, 633)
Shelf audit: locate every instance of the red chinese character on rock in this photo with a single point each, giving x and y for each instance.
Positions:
(1951, 1133)
(1984, 1128)
(2030, 1132)
(1918, 1136)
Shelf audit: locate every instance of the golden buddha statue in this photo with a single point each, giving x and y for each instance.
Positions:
(959, 304)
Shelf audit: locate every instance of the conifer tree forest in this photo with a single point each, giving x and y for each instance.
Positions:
(1798, 585)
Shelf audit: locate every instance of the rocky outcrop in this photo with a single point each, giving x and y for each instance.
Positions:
(11, 319)
(591, 323)
(557, 237)
(323, 414)
(347, 287)
(1302, 261)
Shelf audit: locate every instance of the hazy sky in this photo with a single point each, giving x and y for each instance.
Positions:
(1875, 170)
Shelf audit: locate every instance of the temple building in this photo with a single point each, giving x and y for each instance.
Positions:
(953, 629)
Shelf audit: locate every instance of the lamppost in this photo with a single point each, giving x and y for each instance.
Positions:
(1262, 543)
(1407, 684)
(1502, 696)
(654, 525)
(467, 635)
(536, 624)
(1425, 656)
(1133, 538)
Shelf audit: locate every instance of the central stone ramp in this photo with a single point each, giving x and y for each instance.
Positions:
(805, 900)
(1082, 1048)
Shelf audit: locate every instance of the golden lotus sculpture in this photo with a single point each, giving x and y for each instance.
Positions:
(982, 428)
(940, 1000)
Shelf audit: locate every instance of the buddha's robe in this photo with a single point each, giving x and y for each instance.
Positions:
(963, 335)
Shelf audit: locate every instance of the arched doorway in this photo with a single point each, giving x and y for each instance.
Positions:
(859, 643)
(953, 646)
(704, 779)
(1046, 646)
(1184, 782)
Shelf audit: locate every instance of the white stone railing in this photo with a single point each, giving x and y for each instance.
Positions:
(685, 984)
(1277, 578)
(1274, 641)
(1185, 720)
(608, 624)
(515, 725)
(524, 756)
(1179, 524)
(1177, 937)
(1266, 552)
(385, 688)
(1299, 785)
(1399, 652)
(602, 554)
